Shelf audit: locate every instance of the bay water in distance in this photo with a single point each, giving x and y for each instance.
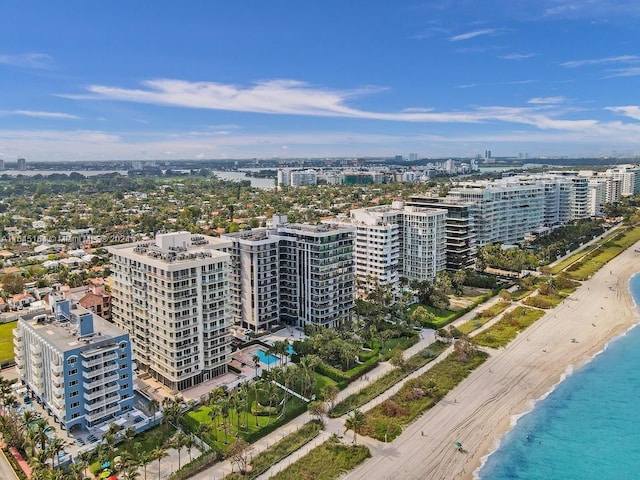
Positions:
(587, 428)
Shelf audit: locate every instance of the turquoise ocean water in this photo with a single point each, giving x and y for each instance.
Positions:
(587, 428)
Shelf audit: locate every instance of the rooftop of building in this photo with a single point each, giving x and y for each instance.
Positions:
(175, 247)
(63, 334)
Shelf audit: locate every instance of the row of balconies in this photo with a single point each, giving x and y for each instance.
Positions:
(92, 417)
(101, 404)
(100, 360)
(106, 369)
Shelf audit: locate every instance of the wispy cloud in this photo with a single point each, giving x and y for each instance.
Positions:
(546, 100)
(600, 61)
(429, 33)
(631, 111)
(28, 60)
(516, 56)
(37, 114)
(624, 72)
(512, 82)
(473, 34)
(284, 97)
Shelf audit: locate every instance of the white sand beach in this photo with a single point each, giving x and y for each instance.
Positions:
(480, 410)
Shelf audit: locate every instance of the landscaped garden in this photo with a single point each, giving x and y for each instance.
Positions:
(388, 380)
(483, 317)
(385, 421)
(611, 247)
(508, 327)
(326, 462)
(264, 460)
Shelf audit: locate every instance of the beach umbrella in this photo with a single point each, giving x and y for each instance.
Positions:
(105, 474)
(106, 464)
(458, 444)
(112, 477)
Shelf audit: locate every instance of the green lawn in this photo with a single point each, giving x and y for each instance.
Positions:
(326, 462)
(321, 382)
(6, 341)
(222, 432)
(439, 318)
(508, 327)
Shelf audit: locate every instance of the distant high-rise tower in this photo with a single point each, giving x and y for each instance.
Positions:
(413, 157)
(1, 164)
(487, 154)
(22, 164)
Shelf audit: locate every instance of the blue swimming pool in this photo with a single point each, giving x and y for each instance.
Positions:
(264, 358)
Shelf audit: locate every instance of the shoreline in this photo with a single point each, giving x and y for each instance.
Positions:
(487, 404)
(533, 403)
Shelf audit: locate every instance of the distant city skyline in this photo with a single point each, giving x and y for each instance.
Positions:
(208, 80)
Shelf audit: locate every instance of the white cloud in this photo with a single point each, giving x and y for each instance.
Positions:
(552, 136)
(632, 111)
(624, 72)
(284, 97)
(473, 34)
(28, 60)
(546, 100)
(600, 61)
(516, 56)
(37, 114)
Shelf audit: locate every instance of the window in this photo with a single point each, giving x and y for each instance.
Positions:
(73, 371)
(72, 360)
(73, 383)
(74, 393)
(75, 405)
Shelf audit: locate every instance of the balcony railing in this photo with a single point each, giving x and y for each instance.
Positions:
(100, 360)
(102, 414)
(101, 392)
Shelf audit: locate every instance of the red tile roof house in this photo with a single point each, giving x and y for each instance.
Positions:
(20, 300)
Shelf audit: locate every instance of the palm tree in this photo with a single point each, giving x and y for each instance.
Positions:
(158, 453)
(129, 435)
(244, 398)
(83, 460)
(131, 472)
(41, 432)
(224, 412)
(28, 417)
(307, 364)
(214, 413)
(56, 447)
(256, 363)
(153, 408)
(271, 392)
(179, 442)
(255, 388)
(145, 459)
(189, 443)
(355, 422)
(76, 471)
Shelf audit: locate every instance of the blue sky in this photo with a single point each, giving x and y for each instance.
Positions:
(239, 79)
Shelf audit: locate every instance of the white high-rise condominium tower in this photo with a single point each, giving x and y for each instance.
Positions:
(394, 241)
(172, 297)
